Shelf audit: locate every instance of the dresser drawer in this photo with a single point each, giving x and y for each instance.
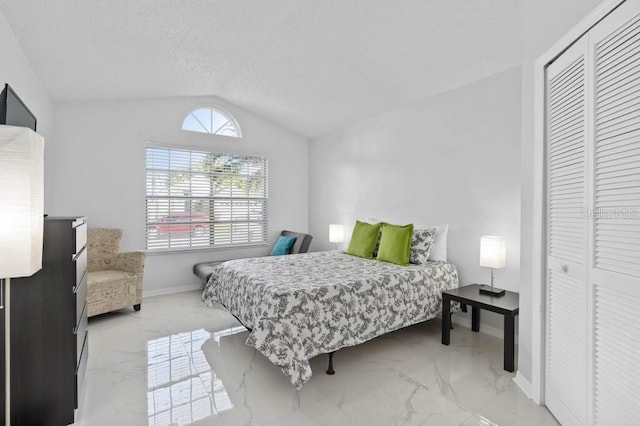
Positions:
(81, 368)
(81, 266)
(79, 332)
(80, 294)
(81, 238)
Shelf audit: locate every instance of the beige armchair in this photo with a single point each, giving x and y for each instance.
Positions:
(114, 279)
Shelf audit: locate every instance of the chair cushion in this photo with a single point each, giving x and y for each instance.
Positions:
(302, 242)
(108, 276)
(205, 269)
(110, 290)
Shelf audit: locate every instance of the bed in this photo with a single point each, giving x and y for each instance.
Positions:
(300, 306)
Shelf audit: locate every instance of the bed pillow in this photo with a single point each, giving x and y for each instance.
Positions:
(439, 247)
(381, 222)
(395, 244)
(421, 243)
(377, 247)
(283, 245)
(363, 239)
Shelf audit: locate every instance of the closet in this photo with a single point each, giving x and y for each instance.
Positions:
(592, 366)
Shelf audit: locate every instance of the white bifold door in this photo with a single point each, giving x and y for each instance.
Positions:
(593, 225)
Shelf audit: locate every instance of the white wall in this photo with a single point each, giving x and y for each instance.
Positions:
(99, 171)
(16, 70)
(452, 158)
(543, 23)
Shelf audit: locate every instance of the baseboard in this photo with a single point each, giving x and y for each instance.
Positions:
(171, 290)
(524, 385)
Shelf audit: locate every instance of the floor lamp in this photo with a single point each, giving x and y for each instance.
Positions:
(21, 220)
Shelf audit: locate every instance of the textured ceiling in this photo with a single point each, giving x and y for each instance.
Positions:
(310, 66)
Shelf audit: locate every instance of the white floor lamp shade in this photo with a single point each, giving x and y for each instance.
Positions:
(21, 221)
(21, 201)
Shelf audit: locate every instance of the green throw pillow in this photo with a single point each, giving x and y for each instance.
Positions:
(363, 239)
(395, 244)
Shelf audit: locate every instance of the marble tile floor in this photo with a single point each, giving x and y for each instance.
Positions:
(177, 362)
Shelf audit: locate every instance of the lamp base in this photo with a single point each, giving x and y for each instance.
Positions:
(491, 291)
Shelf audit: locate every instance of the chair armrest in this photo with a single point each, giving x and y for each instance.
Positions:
(131, 262)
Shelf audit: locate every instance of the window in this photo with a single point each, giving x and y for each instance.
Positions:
(213, 121)
(200, 199)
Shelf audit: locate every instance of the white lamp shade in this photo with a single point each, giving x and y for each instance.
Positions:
(336, 233)
(493, 252)
(21, 201)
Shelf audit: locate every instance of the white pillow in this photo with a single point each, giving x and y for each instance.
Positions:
(439, 247)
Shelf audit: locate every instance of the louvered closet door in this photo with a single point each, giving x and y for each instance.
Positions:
(615, 272)
(567, 292)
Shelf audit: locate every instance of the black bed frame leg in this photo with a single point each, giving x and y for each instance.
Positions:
(330, 370)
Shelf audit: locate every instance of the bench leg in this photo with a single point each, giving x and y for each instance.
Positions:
(330, 370)
(137, 307)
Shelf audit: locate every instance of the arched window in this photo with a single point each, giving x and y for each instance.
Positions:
(213, 121)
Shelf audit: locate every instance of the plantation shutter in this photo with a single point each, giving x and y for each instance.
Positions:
(593, 259)
(201, 199)
(566, 372)
(615, 276)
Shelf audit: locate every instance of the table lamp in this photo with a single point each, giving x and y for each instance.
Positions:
(492, 255)
(21, 218)
(336, 234)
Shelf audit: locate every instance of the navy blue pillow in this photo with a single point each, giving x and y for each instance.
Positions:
(283, 245)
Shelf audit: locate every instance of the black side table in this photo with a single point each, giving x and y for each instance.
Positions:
(507, 305)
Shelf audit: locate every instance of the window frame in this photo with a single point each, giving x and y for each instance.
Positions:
(218, 109)
(197, 248)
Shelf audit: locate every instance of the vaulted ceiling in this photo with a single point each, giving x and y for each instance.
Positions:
(310, 66)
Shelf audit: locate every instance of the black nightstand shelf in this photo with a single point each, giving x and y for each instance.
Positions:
(507, 305)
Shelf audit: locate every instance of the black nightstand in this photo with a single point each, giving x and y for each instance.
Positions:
(507, 305)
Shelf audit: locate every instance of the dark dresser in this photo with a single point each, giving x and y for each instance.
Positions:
(2, 349)
(49, 349)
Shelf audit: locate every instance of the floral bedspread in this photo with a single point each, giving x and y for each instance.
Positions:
(299, 306)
